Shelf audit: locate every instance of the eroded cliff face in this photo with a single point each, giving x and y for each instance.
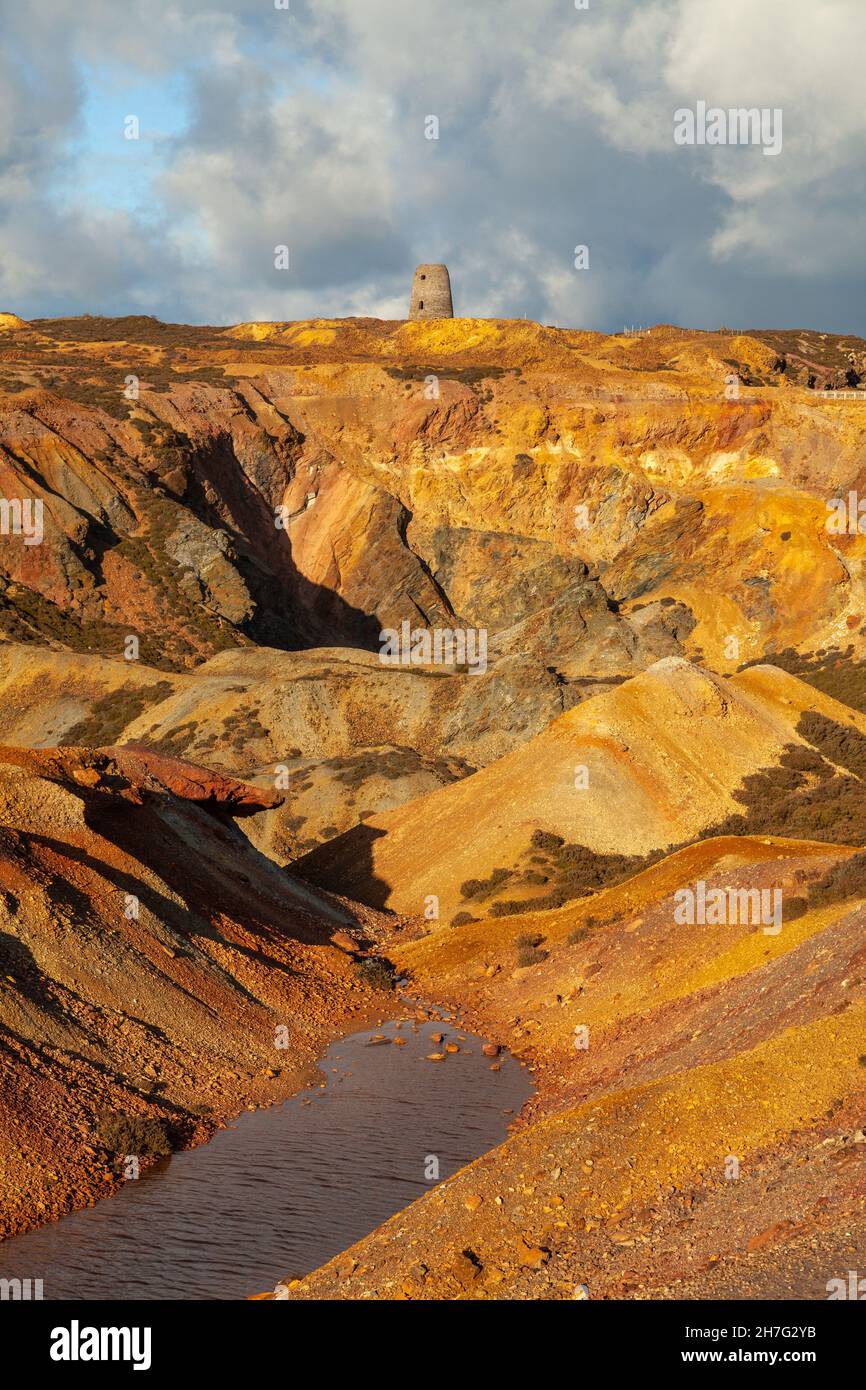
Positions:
(148, 958)
(629, 521)
(608, 787)
(655, 460)
(310, 484)
(234, 498)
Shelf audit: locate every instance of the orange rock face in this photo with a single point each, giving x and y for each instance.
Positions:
(302, 485)
(216, 797)
(132, 913)
(146, 766)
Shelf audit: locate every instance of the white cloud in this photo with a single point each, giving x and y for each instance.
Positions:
(306, 127)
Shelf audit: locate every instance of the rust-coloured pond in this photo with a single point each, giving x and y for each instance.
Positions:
(282, 1190)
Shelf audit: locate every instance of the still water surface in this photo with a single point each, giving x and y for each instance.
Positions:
(284, 1189)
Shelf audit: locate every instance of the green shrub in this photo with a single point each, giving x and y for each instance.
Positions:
(544, 839)
(376, 972)
(792, 908)
(134, 1134)
(512, 907)
(110, 714)
(528, 939)
(529, 956)
(844, 880)
(482, 887)
(471, 887)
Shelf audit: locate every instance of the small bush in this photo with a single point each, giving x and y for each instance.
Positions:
(845, 880)
(471, 887)
(528, 939)
(511, 907)
(378, 973)
(462, 919)
(579, 934)
(558, 898)
(481, 887)
(838, 742)
(792, 908)
(544, 839)
(134, 1134)
(110, 714)
(530, 956)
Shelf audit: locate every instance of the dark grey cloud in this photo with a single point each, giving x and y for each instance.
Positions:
(306, 128)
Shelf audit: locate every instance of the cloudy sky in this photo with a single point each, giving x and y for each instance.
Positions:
(305, 126)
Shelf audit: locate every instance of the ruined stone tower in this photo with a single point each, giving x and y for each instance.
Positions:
(431, 293)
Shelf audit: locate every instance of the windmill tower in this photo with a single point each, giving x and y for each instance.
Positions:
(431, 293)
